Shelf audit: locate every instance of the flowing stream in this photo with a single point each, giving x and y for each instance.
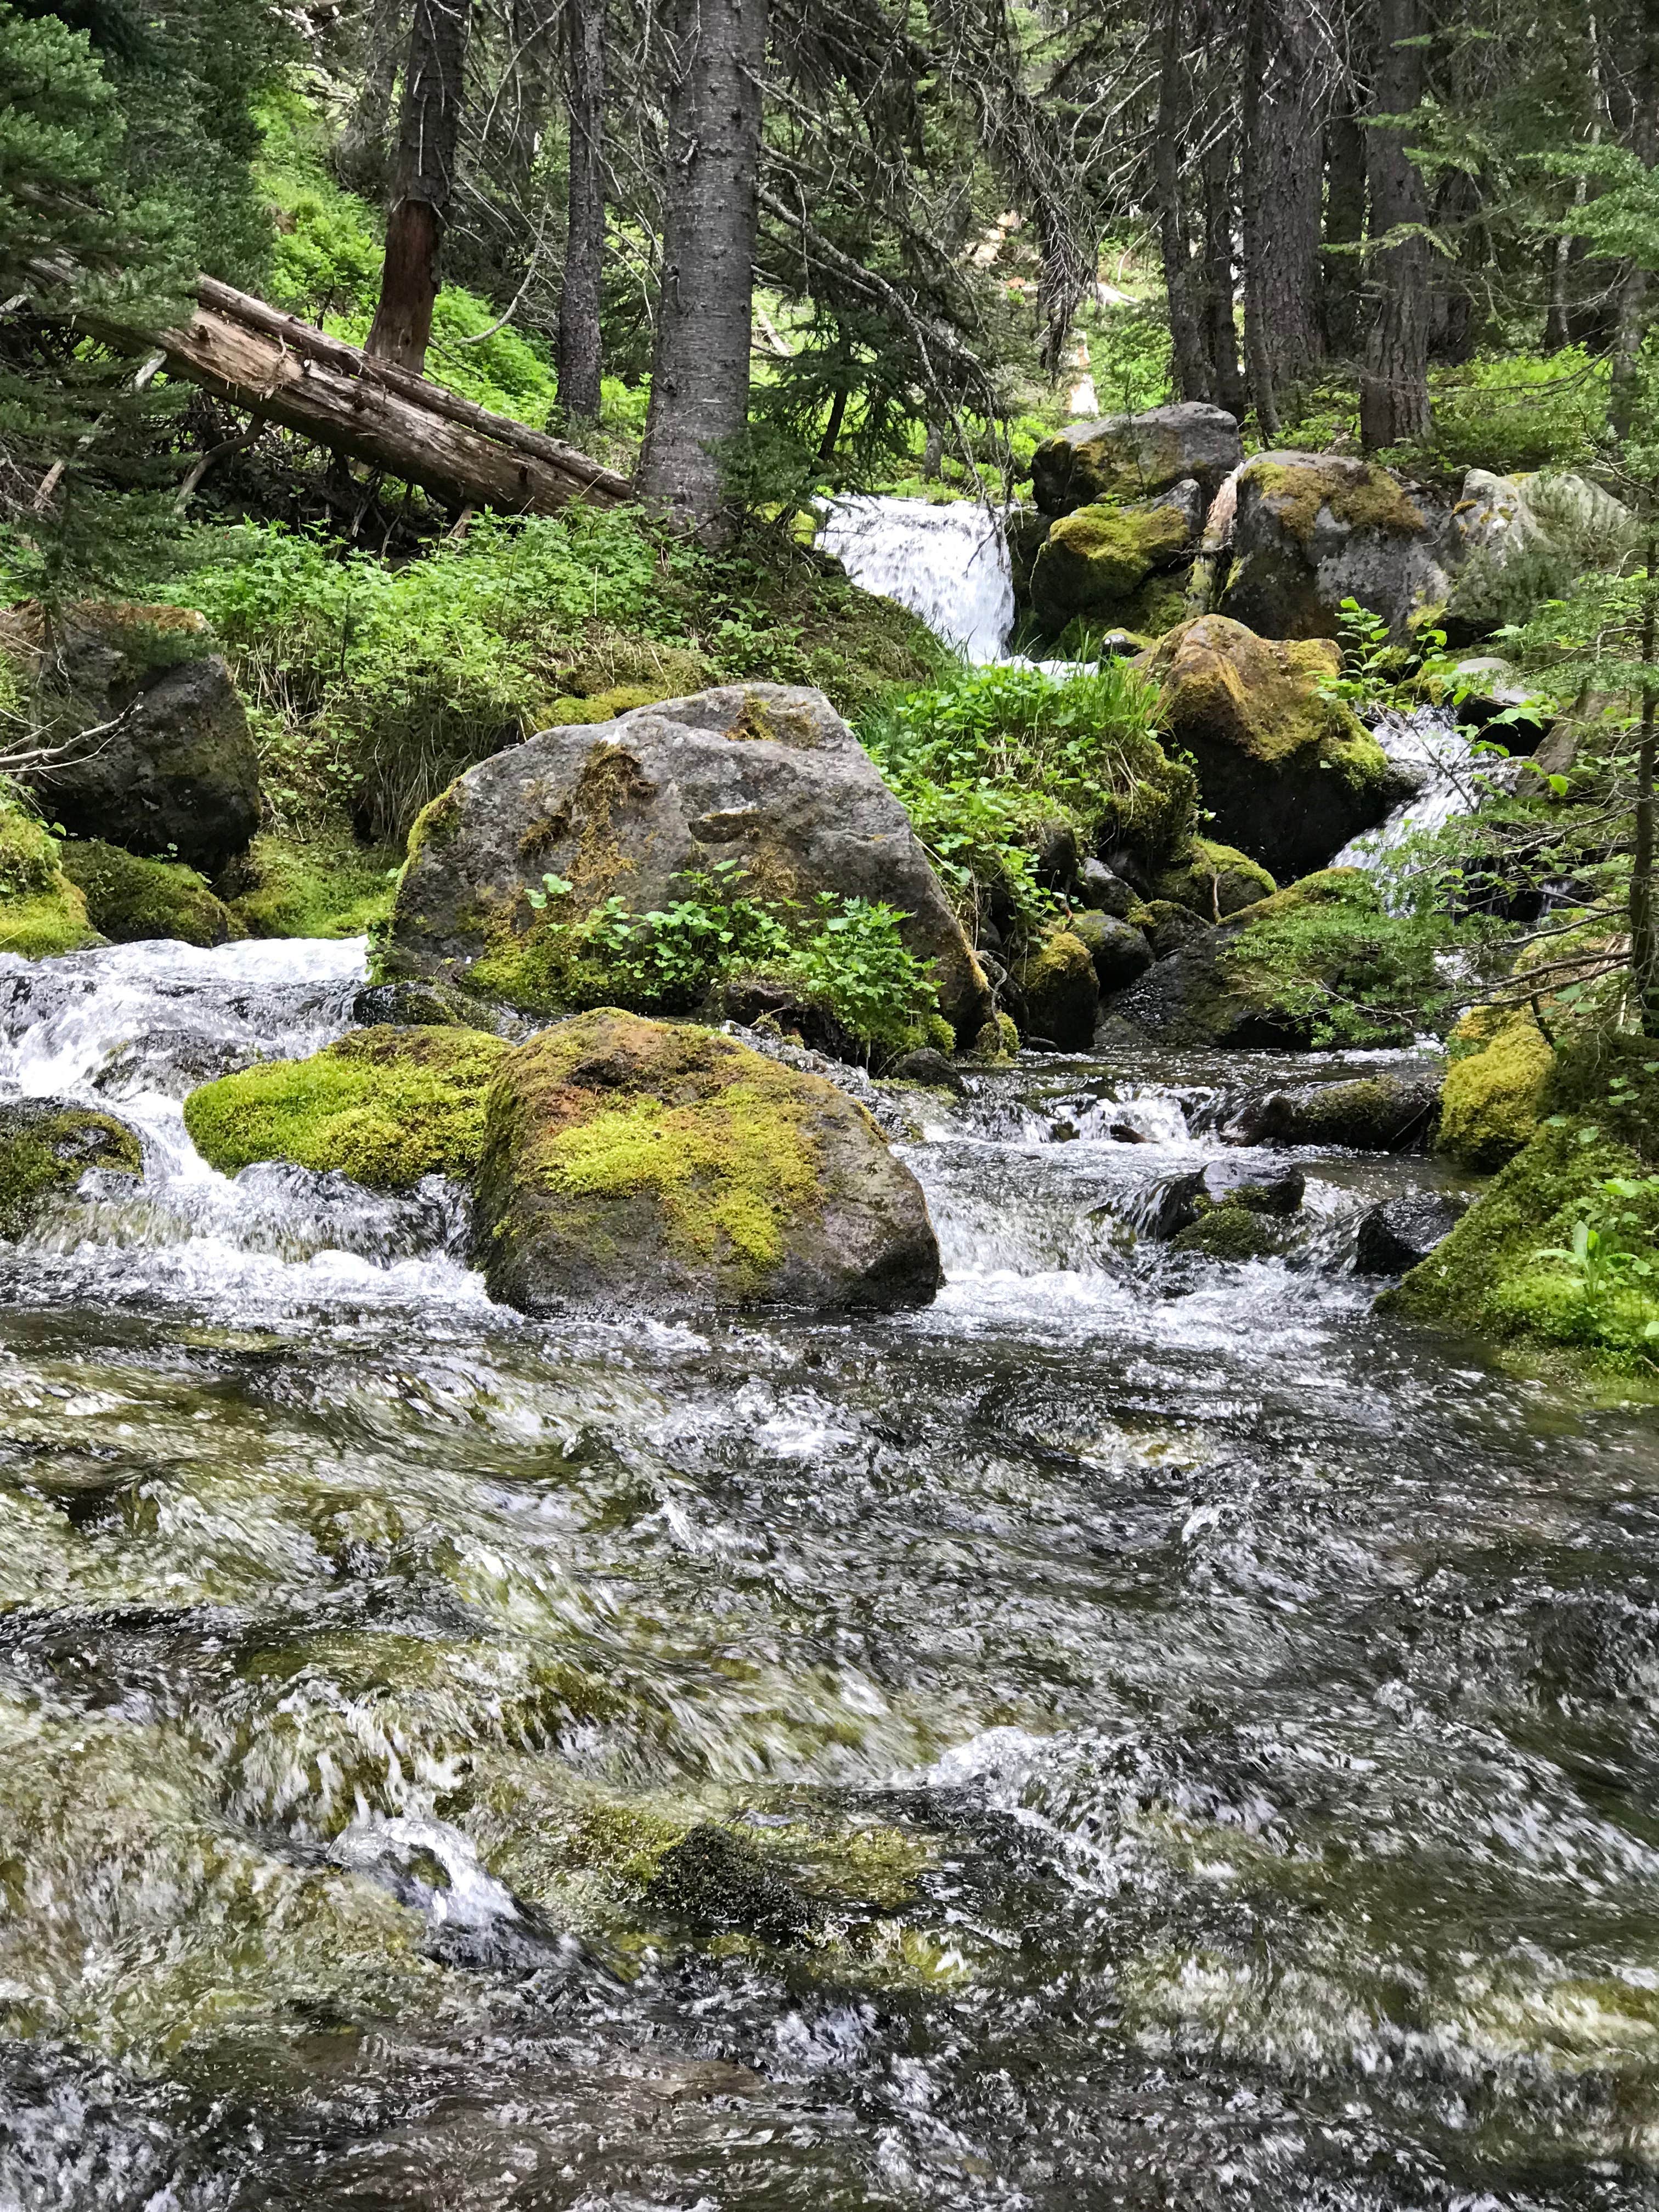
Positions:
(1197, 1738)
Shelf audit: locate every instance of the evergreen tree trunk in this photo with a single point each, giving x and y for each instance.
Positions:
(1393, 387)
(700, 364)
(1220, 327)
(1195, 373)
(581, 357)
(1282, 213)
(361, 156)
(1345, 227)
(428, 129)
(1258, 354)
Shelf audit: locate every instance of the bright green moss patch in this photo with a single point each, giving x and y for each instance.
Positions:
(1095, 559)
(42, 914)
(1364, 496)
(46, 1144)
(1232, 1230)
(1325, 952)
(1511, 1269)
(327, 885)
(1494, 1094)
(384, 1106)
(131, 900)
(1214, 880)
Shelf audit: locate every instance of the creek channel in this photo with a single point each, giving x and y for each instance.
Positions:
(1194, 1738)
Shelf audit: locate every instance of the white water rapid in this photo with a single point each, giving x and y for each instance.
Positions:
(947, 563)
(1455, 777)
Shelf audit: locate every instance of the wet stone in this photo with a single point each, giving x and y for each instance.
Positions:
(719, 1885)
(1400, 1231)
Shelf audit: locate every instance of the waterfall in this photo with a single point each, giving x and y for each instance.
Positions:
(948, 563)
(1452, 778)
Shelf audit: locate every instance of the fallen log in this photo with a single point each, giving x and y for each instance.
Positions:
(252, 356)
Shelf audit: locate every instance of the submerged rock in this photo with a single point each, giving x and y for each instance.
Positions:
(1312, 530)
(1126, 457)
(1288, 775)
(49, 1144)
(1400, 1232)
(1390, 1112)
(129, 900)
(161, 759)
(764, 780)
(630, 1164)
(384, 1106)
(718, 1884)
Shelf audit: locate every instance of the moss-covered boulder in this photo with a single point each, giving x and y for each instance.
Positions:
(764, 782)
(42, 913)
(1495, 1088)
(49, 1144)
(1060, 991)
(1214, 880)
(1394, 1111)
(1504, 1271)
(384, 1106)
(1232, 1231)
(326, 885)
(155, 750)
(1520, 540)
(1119, 951)
(131, 901)
(1312, 530)
(1288, 775)
(1126, 457)
(634, 1164)
(1095, 559)
(1167, 925)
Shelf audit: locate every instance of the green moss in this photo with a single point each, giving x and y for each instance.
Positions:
(1364, 497)
(1262, 696)
(717, 1138)
(46, 1146)
(327, 885)
(384, 1106)
(1232, 1230)
(1494, 1092)
(1214, 880)
(1061, 992)
(998, 1040)
(42, 914)
(1325, 953)
(131, 900)
(1492, 1274)
(603, 707)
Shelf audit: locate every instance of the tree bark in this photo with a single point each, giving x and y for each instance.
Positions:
(1394, 385)
(700, 363)
(1282, 210)
(1195, 373)
(1220, 327)
(429, 130)
(1345, 227)
(361, 157)
(1644, 953)
(580, 356)
(1258, 354)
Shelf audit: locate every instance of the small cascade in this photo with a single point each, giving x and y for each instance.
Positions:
(947, 563)
(1453, 777)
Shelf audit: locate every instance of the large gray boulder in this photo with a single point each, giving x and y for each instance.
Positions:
(1134, 457)
(1520, 540)
(1312, 530)
(157, 754)
(766, 776)
(632, 1164)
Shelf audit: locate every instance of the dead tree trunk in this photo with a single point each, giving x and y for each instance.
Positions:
(429, 130)
(580, 351)
(1394, 385)
(700, 365)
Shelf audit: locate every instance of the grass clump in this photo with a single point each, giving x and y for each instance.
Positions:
(42, 913)
(324, 885)
(986, 761)
(131, 900)
(384, 1106)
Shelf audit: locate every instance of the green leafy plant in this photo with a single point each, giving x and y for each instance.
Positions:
(1601, 1255)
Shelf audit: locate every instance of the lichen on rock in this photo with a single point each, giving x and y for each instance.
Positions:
(384, 1106)
(630, 1163)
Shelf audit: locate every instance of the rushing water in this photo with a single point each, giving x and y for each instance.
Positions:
(1203, 1733)
(947, 562)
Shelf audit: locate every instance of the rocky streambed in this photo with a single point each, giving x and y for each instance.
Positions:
(1141, 1728)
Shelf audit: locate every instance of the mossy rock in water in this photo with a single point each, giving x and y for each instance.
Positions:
(1502, 1271)
(42, 913)
(1494, 1092)
(1233, 1230)
(717, 1883)
(1313, 528)
(1214, 880)
(1135, 456)
(328, 885)
(132, 901)
(1060, 991)
(1289, 775)
(631, 1164)
(48, 1143)
(1095, 559)
(1388, 1112)
(384, 1106)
